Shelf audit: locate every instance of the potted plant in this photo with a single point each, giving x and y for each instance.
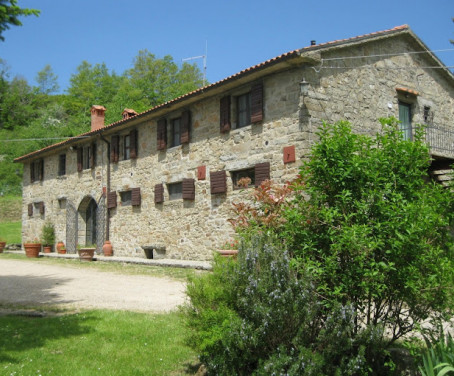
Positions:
(229, 249)
(32, 248)
(86, 252)
(61, 248)
(2, 244)
(48, 236)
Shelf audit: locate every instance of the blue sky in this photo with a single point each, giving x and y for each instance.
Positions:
(238, 33)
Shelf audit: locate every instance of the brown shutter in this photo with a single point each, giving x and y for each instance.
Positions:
(80, 158)
(136, 198)
(225, 114)
(162, 134)
(185, 127)
(93, 155)
(188, 189)
(112, 200)
(218, 181)
(30, 210)
(257, 103)
(133, 143)
(262, 173)
(41, 169)
(114, 149)
(41, 208)
(32, 172)
(159, 193)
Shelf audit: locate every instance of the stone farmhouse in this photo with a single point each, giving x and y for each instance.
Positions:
(167, 177)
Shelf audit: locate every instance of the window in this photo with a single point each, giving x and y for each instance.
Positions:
(405, 120)
(176, 132)
(126, 198)
(62, 164)
(62, 203)
(175, 191)
(243, 110)
(127, 147)
(428, 115)
(86, 157)
(243, 178)
(37, 170)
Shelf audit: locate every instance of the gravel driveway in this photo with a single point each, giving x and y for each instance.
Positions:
(25, 283)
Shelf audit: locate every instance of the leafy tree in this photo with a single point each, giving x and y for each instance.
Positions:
(47, 81)
(10, 13)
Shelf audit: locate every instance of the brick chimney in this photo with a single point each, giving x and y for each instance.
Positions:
(128, 112)
(97, 117)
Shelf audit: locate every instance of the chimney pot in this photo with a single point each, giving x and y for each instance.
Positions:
(97, 117)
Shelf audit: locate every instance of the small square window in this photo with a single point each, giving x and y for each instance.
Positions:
(175, 191)
(176, 132)
(243, 178)
(62, 203)
(126, 197)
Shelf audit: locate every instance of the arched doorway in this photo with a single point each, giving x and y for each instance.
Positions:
(87, 211)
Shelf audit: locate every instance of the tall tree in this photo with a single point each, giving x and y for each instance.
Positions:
(47, 81)
(10, 13)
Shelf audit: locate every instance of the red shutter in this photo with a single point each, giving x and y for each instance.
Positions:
(133, 143)
(93, 155)
(80, 158)
(257, 103)
(162, 134)
(218, 182)
(41, 208)
(114, 149)
(112, 200)
(225, 114)
(185, 127)
(188, 189)
(136, 198)
(30, 210)
(159, 193)
(32, 172)
(262, 173)
(201, 172)
(289, 154)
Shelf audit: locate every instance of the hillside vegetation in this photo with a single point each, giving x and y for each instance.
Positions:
(33, 117)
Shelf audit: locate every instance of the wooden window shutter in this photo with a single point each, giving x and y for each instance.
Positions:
(162, 134)
(133, 139)
(41, 169)
(112, 200)
(225, 114)
(136, 198)
(114, 149)
(218, 182)
(185, 127)
(188, 189)
(32, 172)
(159, 193)
(41, 208)
(80, 158)
(93, 155)
(30, 210)
(262, 173)
(257, 103)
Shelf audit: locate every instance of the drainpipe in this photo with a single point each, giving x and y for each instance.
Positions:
(107, 186)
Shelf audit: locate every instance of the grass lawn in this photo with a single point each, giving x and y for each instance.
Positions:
(11, 232)
(95, 343)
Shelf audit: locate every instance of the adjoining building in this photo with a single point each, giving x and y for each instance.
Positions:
(167, 177)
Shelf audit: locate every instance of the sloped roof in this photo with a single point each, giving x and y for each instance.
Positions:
(278, 59)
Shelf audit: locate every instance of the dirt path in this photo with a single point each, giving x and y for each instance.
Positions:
(34, 284)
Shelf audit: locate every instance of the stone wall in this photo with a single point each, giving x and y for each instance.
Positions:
(359, 90)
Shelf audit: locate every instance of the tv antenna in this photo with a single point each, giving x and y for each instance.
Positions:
(204, 57)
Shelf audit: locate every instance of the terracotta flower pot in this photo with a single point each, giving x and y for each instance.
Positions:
(86, 254)
(228, 252)
(60, 247)
(107, 248)
(2, 246)
(47, 249)
(32, 249)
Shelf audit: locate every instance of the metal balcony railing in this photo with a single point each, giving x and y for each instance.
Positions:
(440, 139)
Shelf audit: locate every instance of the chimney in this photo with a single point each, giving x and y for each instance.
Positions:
(128, 113)
(313, 42)
(97, 117)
